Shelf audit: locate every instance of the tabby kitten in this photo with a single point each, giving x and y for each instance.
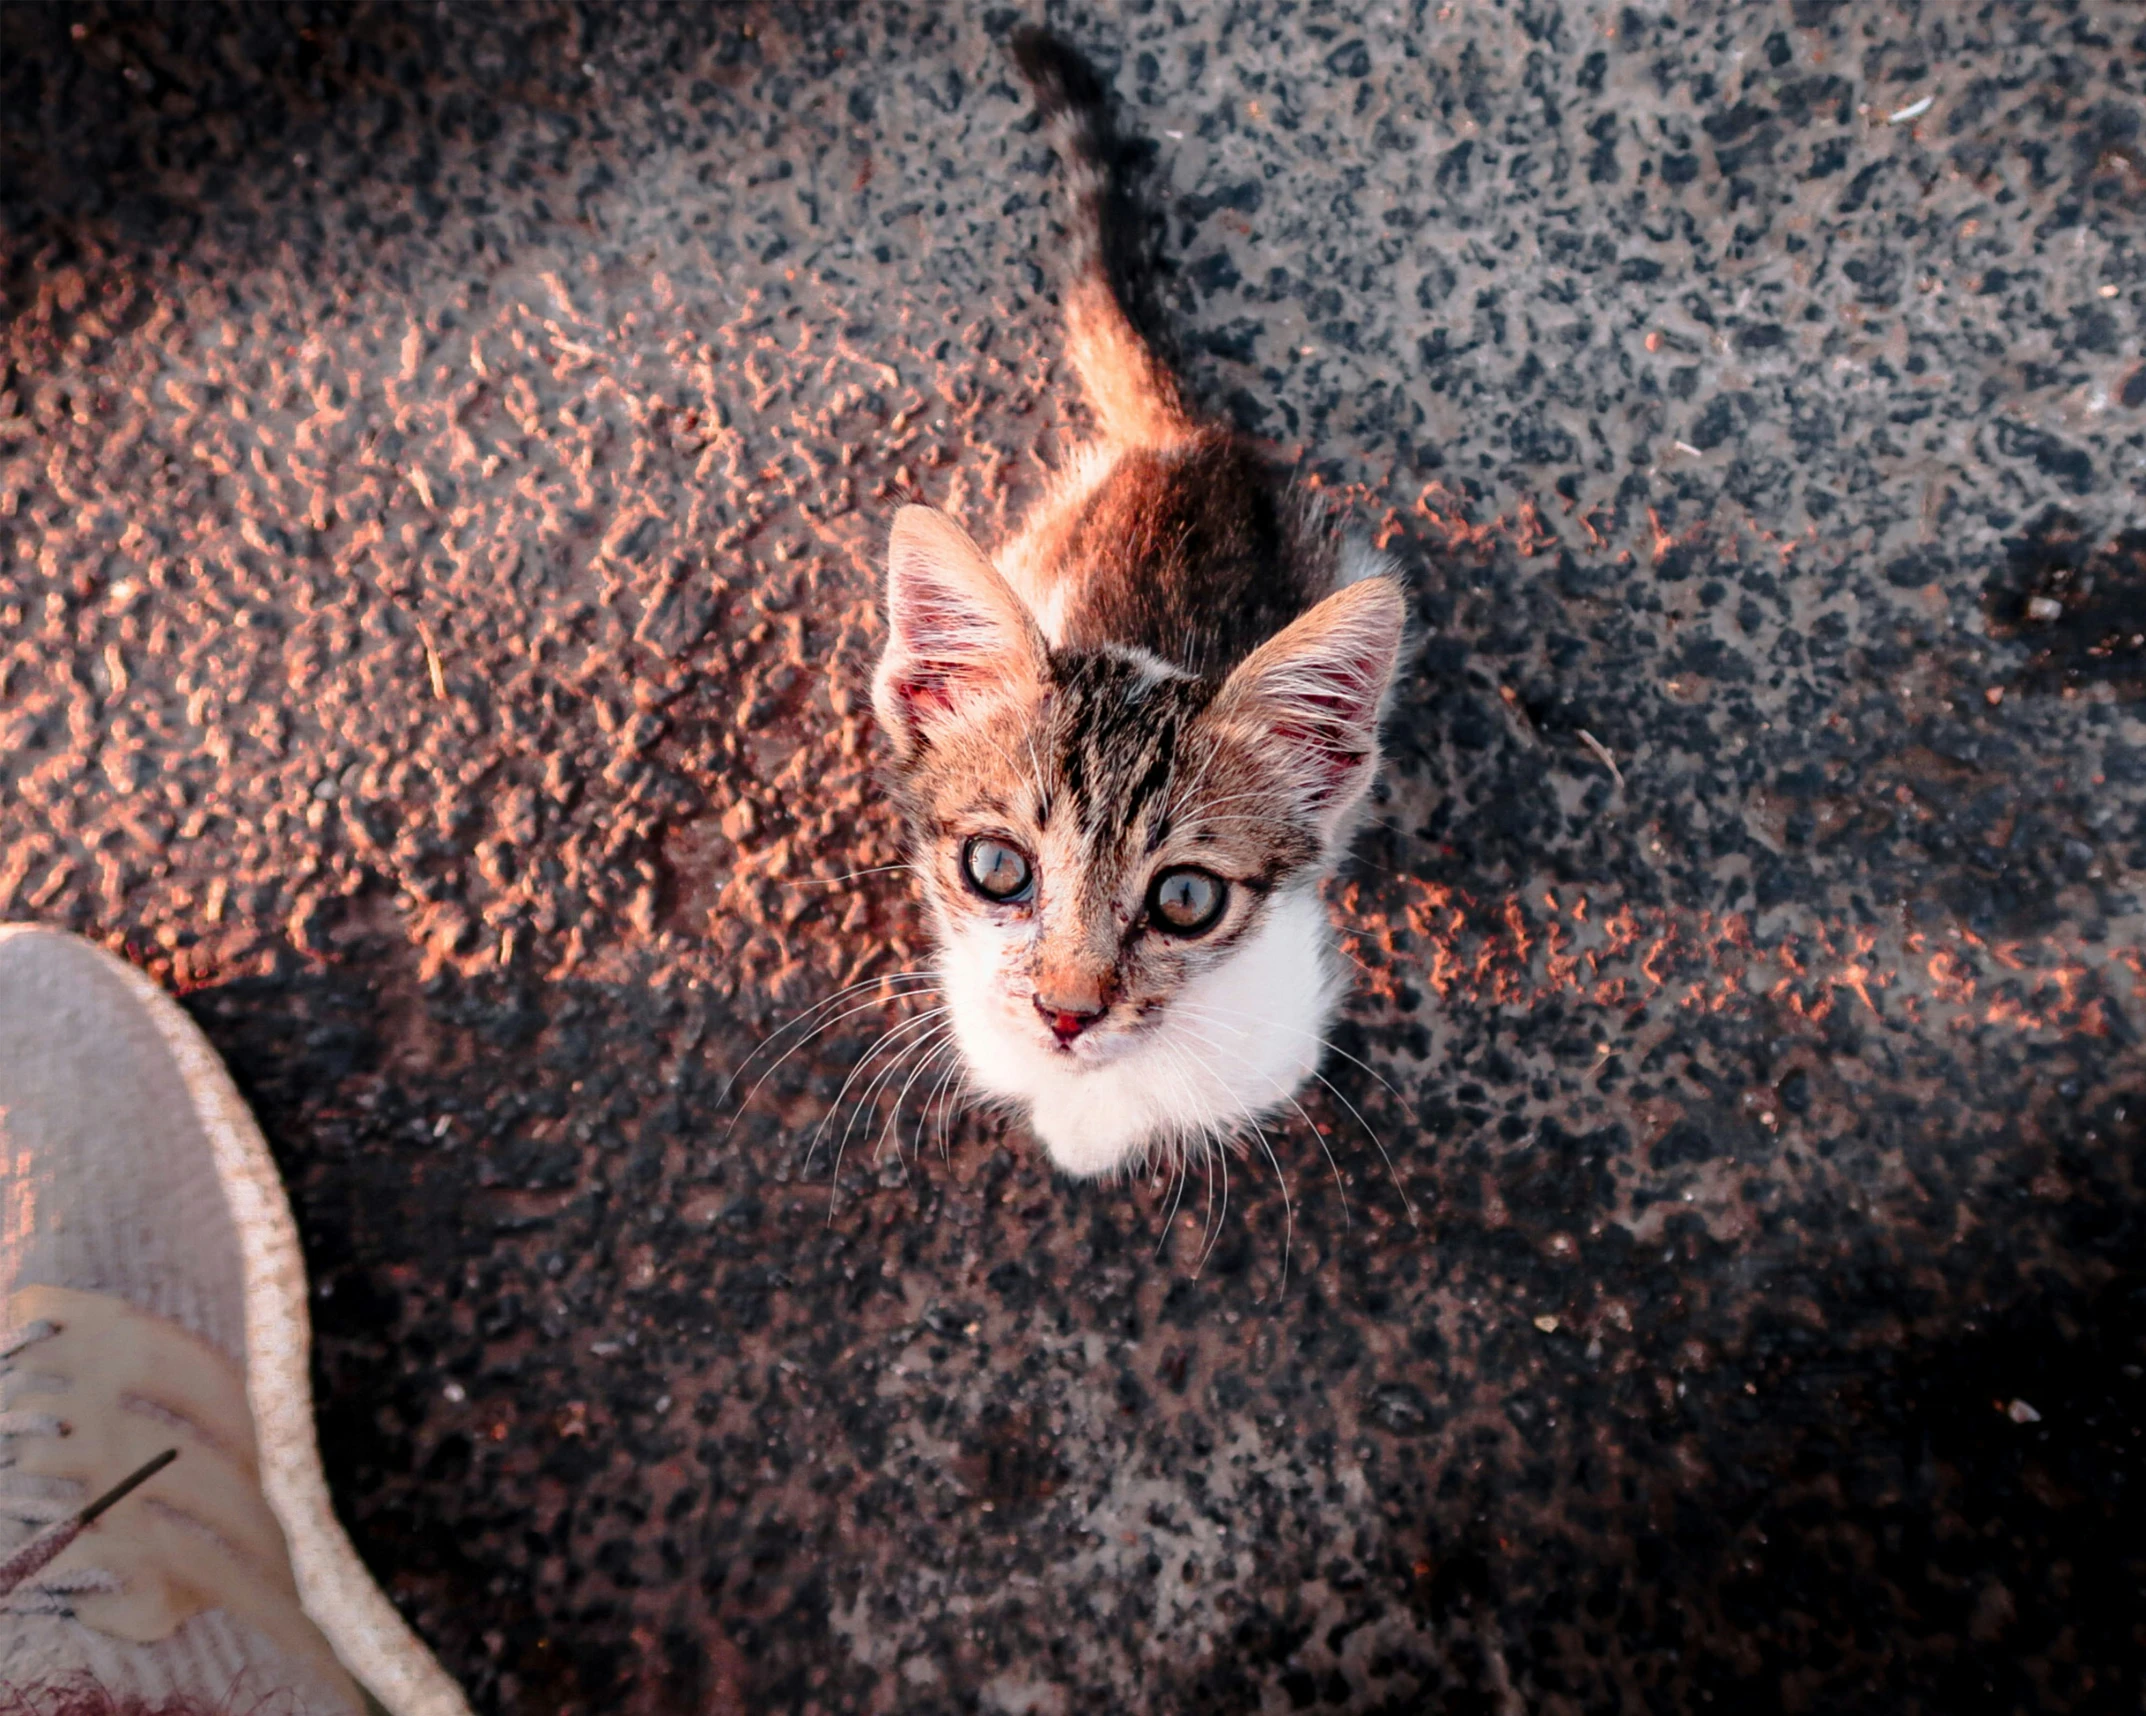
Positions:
(1129, 748)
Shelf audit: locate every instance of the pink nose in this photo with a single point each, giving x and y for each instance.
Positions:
(1065, 1023)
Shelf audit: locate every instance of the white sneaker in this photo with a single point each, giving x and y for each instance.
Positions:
(152, 1296)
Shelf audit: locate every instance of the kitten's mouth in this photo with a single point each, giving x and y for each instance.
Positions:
(1097, 1047)
(1092, 1048)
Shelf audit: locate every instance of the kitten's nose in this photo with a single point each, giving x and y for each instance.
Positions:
(1066, 1023)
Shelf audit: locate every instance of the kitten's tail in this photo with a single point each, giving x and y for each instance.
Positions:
(1131, 388)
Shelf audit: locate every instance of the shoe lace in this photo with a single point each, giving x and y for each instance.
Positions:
(61, 1522)
(17, 1422)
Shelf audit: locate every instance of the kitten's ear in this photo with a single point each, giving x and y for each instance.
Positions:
(958, 638)
(1309, 697)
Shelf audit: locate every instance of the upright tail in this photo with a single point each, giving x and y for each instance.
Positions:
(1131, 388)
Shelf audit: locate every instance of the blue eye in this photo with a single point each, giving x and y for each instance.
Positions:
(1186, 901)
(995, 870)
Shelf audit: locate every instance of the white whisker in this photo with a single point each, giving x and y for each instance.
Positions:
(868, 1100)
(1356, 1114)
(1181, 1161)
(1324, 1042)
(953, 1066)
(947, 1097)
(1181, 1147)
(1208, 1221)
(908, 977)
(864, 1061)
(1289, 1219)
(1310, 1126)
(834, 1177)
(805, 1041)
(938, 1044)
(1222, 1157)
(837, 881)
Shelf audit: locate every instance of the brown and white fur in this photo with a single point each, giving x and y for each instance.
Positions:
(1175, 669)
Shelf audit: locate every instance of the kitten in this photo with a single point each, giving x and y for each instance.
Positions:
(1129, 749)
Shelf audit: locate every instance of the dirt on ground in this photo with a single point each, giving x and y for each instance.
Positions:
(444, 454)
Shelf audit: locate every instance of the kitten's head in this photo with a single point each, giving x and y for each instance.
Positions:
(1118, 856)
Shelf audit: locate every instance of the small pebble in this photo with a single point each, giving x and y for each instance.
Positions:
(2021, 1413)
(1547, 1324)
(2044, 608)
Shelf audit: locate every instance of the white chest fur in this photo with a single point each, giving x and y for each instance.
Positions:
(1230, 1047)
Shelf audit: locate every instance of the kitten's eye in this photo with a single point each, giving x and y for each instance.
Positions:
(1186, 901)
(995, 870)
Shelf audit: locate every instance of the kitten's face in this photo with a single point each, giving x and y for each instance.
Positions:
(1121, 860)
(1091, 849)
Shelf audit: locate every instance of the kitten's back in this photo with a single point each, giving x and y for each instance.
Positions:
(1195, 553)
(1175, 536)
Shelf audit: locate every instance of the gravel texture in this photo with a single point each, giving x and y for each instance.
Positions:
(442, 458)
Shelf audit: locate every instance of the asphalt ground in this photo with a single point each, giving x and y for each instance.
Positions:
(443, 457)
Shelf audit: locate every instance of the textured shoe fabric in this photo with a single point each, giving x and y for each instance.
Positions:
(139, 1203)
(110, 1183)
(200, 1538)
